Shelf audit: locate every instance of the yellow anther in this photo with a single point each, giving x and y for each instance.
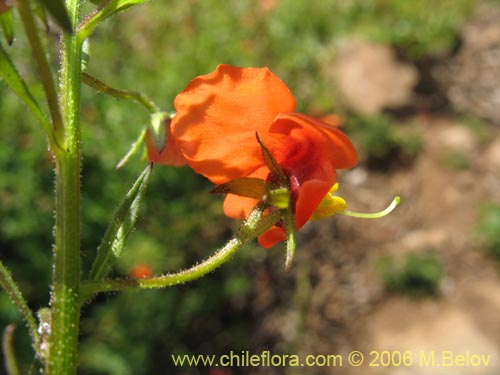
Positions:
(330, 205)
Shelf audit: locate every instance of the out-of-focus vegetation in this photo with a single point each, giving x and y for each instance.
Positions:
(457, 160)
(417, 275)
(382, 143)
(156, 49)
(489, 229)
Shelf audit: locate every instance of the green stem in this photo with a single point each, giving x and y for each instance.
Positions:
(193, 273)
(66, 275)
(121, 94)
(24, 8)
(17, 298)
(65, 301)
(249, 230)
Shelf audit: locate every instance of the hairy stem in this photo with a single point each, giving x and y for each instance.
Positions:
(121, 94)
(249, 230)
(65, 301)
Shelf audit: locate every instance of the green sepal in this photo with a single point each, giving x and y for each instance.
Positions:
(279, 198)
(271, 163)
(7, 24)
(267, 221)
(122, 225)
(85, 55)
(291, 242)
(58, 11)
(244, 187)
(157, 128)
(264, 219)
(157, 122)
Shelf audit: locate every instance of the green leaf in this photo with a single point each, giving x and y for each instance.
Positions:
(133, 149)
(244, 187)
(7, 24)
(107, 9)
(13, 79)
(17, 298)
(57, 10)
(121, 226)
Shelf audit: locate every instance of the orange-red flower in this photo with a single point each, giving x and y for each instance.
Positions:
(217, 117)
(141, 271)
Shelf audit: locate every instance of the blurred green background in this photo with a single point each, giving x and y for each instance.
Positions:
(157, 48)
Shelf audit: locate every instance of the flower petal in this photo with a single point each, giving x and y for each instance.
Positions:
(315, 141)
(314, 150)
(309, 151)
(271, 237)
(218, 115)
(238, 207)
(310, 195)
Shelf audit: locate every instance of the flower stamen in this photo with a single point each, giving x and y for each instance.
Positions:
(331, 205)
(376, 215)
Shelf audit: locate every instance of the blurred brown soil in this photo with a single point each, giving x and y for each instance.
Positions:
(442, 207)
(339, 303)
(334, 300)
